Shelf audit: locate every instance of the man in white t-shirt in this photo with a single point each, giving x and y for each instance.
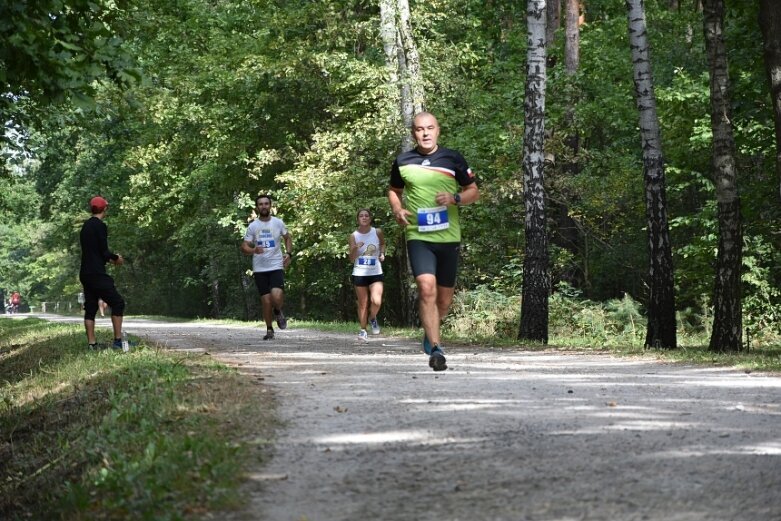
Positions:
(263, 241)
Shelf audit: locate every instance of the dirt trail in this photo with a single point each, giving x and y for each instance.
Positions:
(370, 432)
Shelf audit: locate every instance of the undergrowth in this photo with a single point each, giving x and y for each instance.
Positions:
(483, 316)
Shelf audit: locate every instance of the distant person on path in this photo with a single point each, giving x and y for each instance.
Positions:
(96, 282)
(367, 252)
(16, 299)
(102, 307)
(263, 241)
(80, 300)
(433, 181)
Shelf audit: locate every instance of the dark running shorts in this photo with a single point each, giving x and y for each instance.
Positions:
(101, 287)
(266, 280)
(436, 258)
(367, 280)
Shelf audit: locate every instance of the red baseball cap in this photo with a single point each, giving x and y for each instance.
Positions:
(98, 204)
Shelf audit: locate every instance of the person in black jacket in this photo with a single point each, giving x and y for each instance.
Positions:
(96, 282)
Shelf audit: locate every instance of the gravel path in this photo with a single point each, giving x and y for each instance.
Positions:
(370, 432)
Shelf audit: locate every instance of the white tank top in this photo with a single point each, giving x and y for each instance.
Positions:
(368, 261)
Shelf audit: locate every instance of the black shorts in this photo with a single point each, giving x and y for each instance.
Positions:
(367, 280)
(101, 287)
(435, 258)
(266, 280)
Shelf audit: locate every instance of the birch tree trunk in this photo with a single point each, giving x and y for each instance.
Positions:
(536, 279)
(728, 308)
(403, 63)
(391, 44)
(572, 42)
(413, 102)
(661, 331)
(406, 87)
(770, 24)
(572, 64)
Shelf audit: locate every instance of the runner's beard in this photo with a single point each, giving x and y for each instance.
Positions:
(264, 213)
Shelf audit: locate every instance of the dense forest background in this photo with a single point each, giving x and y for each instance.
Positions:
(206, 104)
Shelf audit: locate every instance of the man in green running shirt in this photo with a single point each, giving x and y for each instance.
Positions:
(437, 181)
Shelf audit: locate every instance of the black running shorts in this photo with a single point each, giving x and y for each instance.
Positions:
(101, 286)
(367, 280)
(267, 280)
(436, 258)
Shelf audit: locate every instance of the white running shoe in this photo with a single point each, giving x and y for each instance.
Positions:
(363, 335)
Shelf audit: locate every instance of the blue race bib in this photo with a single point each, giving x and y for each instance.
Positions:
(432, 219)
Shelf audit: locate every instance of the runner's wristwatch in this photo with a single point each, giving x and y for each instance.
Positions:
(457, 198)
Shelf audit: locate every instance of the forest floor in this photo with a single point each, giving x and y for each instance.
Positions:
(368, 432)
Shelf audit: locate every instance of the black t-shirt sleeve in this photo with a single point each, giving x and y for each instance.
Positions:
(464, 175)
(396, 180)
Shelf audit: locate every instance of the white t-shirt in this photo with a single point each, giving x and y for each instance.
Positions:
(368, 262)
(268, 235)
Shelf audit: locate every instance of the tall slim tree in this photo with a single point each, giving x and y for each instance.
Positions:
(536, 276)
(406, 86)
(572, 41)
(403, 62)
(571, 65)
(661, 302)
(770, 24)
(727, 303)
(553, 22)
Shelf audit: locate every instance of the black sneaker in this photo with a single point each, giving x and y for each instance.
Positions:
(269, 335)
(280, 318)
(437, 359)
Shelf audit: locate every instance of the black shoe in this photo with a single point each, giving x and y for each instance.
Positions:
(280, 318)
(269, 335)
(437, 360)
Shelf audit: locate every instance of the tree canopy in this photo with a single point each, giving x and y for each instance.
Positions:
(235, 98)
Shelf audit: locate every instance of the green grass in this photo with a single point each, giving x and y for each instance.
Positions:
(150, 434)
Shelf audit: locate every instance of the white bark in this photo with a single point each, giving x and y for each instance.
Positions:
(572, 41)
(403, 62)
(536, 278)
(661, 302)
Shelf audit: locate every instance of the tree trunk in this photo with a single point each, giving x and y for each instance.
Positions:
(403, 63)
(728, 309)
(770, 24)
(411, 74)
(391, 45)
(572, 64)
(214, 286)
(536, 279)
(553, 22)
(661, 331)
(572, 41)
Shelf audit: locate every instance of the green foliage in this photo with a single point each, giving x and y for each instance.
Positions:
(52, 50)
(292, 98)
(110, 435)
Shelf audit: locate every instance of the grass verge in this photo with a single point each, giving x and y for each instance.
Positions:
(151, 434)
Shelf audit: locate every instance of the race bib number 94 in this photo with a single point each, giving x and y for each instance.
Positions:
(432, 219)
